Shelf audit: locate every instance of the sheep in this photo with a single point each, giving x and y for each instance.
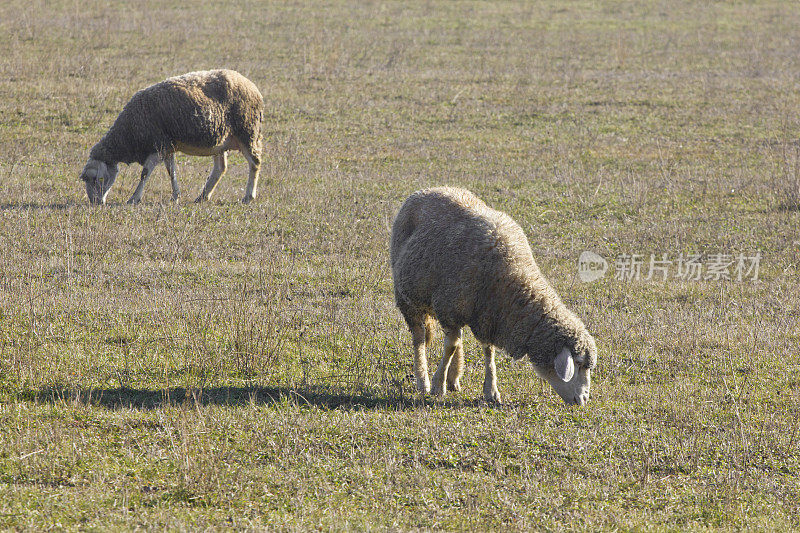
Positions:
(456, 259)
(202, 113)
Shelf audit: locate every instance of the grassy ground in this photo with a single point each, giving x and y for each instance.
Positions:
(221, 366)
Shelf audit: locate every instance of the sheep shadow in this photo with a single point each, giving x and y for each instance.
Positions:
(32, 206)
(322, 398)
(787, 207)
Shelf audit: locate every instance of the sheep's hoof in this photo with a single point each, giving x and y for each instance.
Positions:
(247, 199)
(454, 385)
(200, 199)
(437, 391)
(493, 398)
(423, 385)
(132, 201)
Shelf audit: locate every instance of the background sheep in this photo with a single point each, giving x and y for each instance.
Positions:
(458, 260)
(200, 113)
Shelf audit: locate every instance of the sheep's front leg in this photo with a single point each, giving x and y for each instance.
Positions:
(420, 360)
(452, 345)
(109, 180)
(169, 162)
(220, 166)
(150, 163)
(490, 391)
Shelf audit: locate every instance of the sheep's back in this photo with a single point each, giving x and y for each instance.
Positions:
(451, 253)
(198, 109)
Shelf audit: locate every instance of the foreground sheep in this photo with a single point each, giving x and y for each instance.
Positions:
(464, 263)
(200, 113)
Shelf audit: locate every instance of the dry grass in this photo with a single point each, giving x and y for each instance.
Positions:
(222, 366)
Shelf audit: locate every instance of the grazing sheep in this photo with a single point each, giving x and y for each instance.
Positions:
(456, 259)
(200, 113)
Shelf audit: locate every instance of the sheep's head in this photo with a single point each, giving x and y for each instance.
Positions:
(99, 177)
(570, 374)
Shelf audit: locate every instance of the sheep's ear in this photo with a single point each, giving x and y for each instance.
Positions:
(89, 173)
(564, 366)
(93, 169)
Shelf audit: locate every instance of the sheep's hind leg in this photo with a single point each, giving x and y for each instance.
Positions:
(421, 338)
(169, 162)
(220, 165)
(452, 345)
(254, 160)
(456, 368)
(150, 163)
(490, 391)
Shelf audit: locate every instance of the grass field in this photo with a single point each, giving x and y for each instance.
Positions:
(225, 366)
